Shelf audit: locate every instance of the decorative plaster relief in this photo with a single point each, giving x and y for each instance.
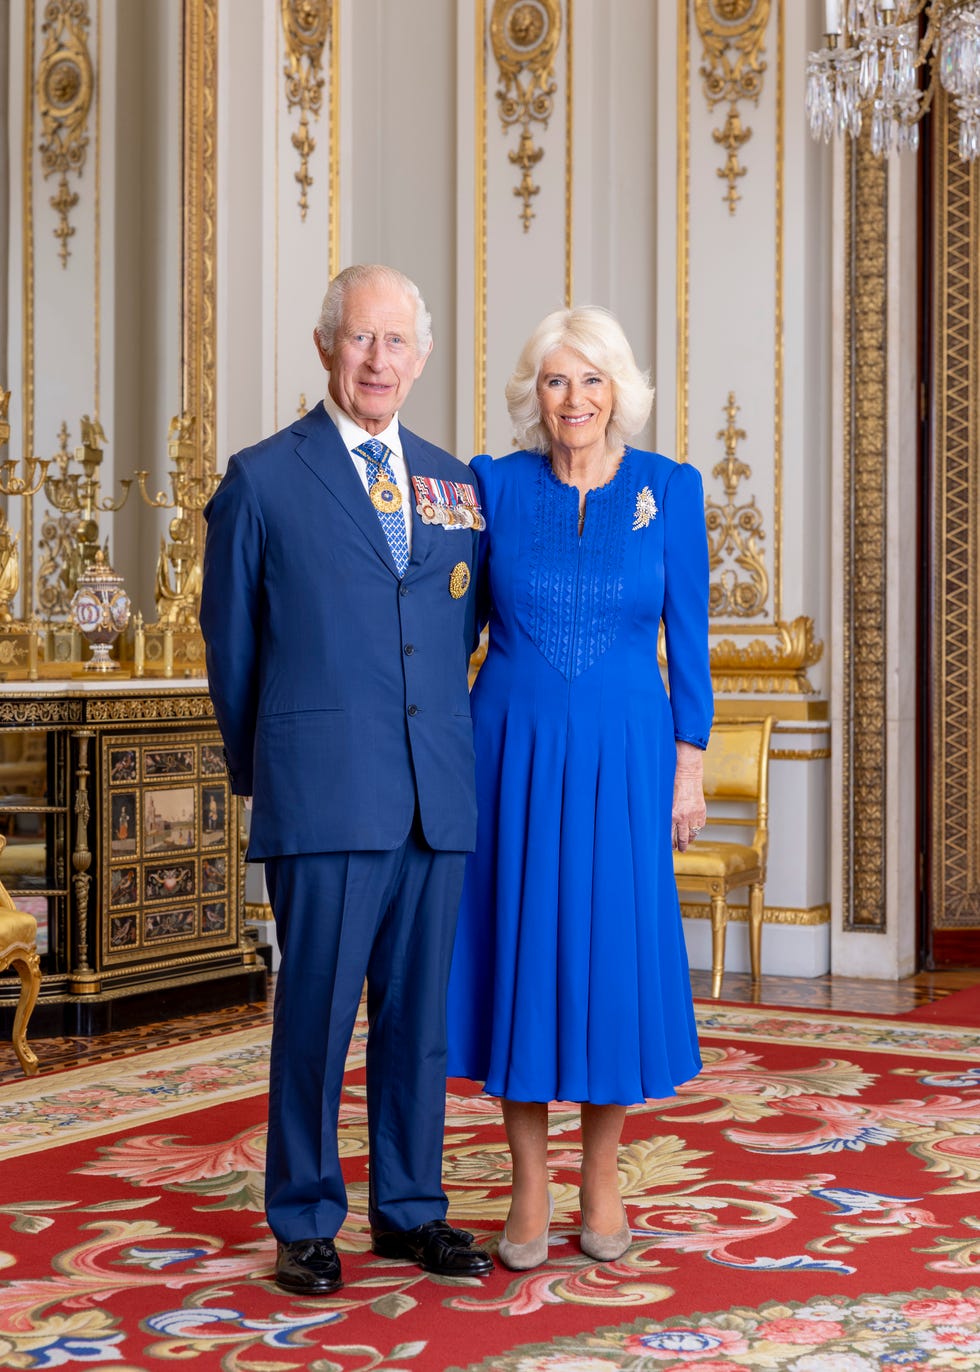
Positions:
(64, 87)
(525, 36)
(734, 532)
(732, 32)
(305, 26)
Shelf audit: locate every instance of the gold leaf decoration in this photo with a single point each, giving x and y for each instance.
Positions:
(305, 26)
(64, 96)
(525, 36)
(732, 32)
(734, 534)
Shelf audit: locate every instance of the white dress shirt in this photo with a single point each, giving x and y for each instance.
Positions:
(353, 435)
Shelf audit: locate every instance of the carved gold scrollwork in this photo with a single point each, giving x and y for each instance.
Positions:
(58, 571)
(732, 32)
(525, 36)
(64, 96)
(734, 532)
(865, 731)
(768, 667)
(305, 25)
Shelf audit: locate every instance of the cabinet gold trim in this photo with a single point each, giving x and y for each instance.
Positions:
(84, 980)
(40, 712)
(142, 711)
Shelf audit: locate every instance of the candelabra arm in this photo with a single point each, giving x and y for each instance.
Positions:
(25, 485)
(62, 491)
(110, 506)
(193, 493)
(161, 501)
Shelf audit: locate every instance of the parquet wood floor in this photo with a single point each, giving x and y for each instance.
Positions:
(818, 993)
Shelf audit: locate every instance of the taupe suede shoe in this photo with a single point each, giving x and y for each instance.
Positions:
(605, 1247)
(521, 1256)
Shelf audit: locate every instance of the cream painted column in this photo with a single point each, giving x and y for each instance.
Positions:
(743, 330)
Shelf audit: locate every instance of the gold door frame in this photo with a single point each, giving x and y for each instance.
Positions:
(198, 228)
(953, 835)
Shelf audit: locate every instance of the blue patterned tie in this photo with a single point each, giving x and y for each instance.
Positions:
(384, 492)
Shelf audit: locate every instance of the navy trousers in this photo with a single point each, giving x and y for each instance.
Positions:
(342, 918)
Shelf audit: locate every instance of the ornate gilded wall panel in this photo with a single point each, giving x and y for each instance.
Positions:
(954, 876)
(525, 35)
(305, 26)
(65, 85)
(733, 35)
(735, 534)
(863, 732)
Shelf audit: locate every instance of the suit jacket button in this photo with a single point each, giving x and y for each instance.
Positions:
(413, 709)
(409, 649)
(403, 590)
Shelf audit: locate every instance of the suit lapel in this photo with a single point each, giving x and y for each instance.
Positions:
(423, 535)
(321, 448)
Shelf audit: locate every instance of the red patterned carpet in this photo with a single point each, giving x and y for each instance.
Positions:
(811, 1203)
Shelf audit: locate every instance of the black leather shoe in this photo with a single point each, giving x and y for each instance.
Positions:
(309, 1267)
(436, 1246)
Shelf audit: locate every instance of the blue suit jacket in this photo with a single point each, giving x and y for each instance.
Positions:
(339, 690)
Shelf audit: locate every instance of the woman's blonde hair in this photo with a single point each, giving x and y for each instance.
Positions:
(597, 336)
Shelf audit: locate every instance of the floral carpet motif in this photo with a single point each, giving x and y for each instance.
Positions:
(814, 1160)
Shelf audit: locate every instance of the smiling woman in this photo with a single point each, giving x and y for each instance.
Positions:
(576, 401)
(570, 956)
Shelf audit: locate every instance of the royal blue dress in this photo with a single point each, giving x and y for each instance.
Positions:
(570, 976)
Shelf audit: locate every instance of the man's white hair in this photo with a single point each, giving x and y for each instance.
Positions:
(332, 309)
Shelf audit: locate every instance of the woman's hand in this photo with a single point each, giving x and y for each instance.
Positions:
(688, 814)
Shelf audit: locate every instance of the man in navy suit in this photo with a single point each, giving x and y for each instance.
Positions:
(337, 618)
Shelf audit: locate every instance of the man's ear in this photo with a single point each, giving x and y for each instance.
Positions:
(326, 358)
(423, 359)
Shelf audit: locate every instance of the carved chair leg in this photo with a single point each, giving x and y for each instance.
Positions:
(719, 919)
(756, 905)
(29, 971)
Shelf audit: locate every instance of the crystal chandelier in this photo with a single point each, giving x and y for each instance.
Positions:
(878, 67)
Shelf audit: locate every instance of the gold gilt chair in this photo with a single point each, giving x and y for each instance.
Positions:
(18, 949)
(736, 789)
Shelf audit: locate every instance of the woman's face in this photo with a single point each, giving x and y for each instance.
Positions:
(576, 401)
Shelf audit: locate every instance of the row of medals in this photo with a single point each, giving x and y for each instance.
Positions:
(386, 496)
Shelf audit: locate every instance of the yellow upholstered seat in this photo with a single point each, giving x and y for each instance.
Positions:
(18, 949)
(736, 789)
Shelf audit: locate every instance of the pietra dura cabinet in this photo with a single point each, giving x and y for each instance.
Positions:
(124, 841)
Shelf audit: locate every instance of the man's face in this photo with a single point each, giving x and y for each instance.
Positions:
(375, 360)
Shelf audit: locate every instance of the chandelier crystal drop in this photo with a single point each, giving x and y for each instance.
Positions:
(877, 70)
